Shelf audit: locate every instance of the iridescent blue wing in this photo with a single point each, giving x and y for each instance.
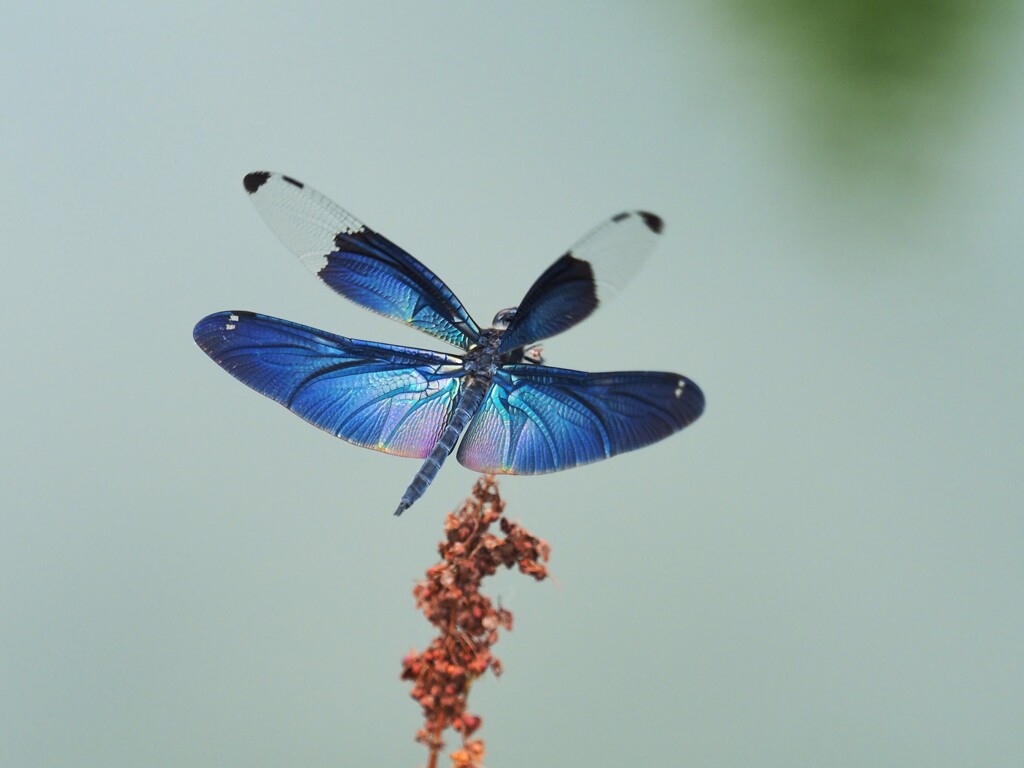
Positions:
(388, 398)
(357, 262)
(591, 273)
(538, 419)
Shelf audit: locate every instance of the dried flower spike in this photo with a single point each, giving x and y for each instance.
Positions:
(467, 621)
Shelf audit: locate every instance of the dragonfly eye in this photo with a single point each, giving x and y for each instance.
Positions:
(503, 318)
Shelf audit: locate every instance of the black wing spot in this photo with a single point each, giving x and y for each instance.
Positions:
(654, 223)
(296, 182)
(254, 181)
(343, 239)
(620, 217)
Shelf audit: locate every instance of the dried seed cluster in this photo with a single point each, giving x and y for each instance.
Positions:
(467, 621)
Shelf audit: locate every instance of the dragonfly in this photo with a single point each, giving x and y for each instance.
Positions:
(515, 414)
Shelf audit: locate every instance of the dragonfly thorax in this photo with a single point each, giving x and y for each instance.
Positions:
(483, 358)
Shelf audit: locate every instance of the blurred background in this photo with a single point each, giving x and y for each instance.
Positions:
(826, 569)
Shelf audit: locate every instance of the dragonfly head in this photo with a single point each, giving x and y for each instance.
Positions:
(504, 318)
(531, 354)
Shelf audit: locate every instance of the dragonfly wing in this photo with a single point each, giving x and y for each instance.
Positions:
(357, 262)
(593, 271)
(537, 419)
(388, 398)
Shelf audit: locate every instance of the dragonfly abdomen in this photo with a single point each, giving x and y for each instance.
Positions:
(465, 409)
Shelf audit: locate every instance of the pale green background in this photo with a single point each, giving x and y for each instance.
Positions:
(826, 570)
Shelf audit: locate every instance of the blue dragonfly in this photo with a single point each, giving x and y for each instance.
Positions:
(519, 416)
